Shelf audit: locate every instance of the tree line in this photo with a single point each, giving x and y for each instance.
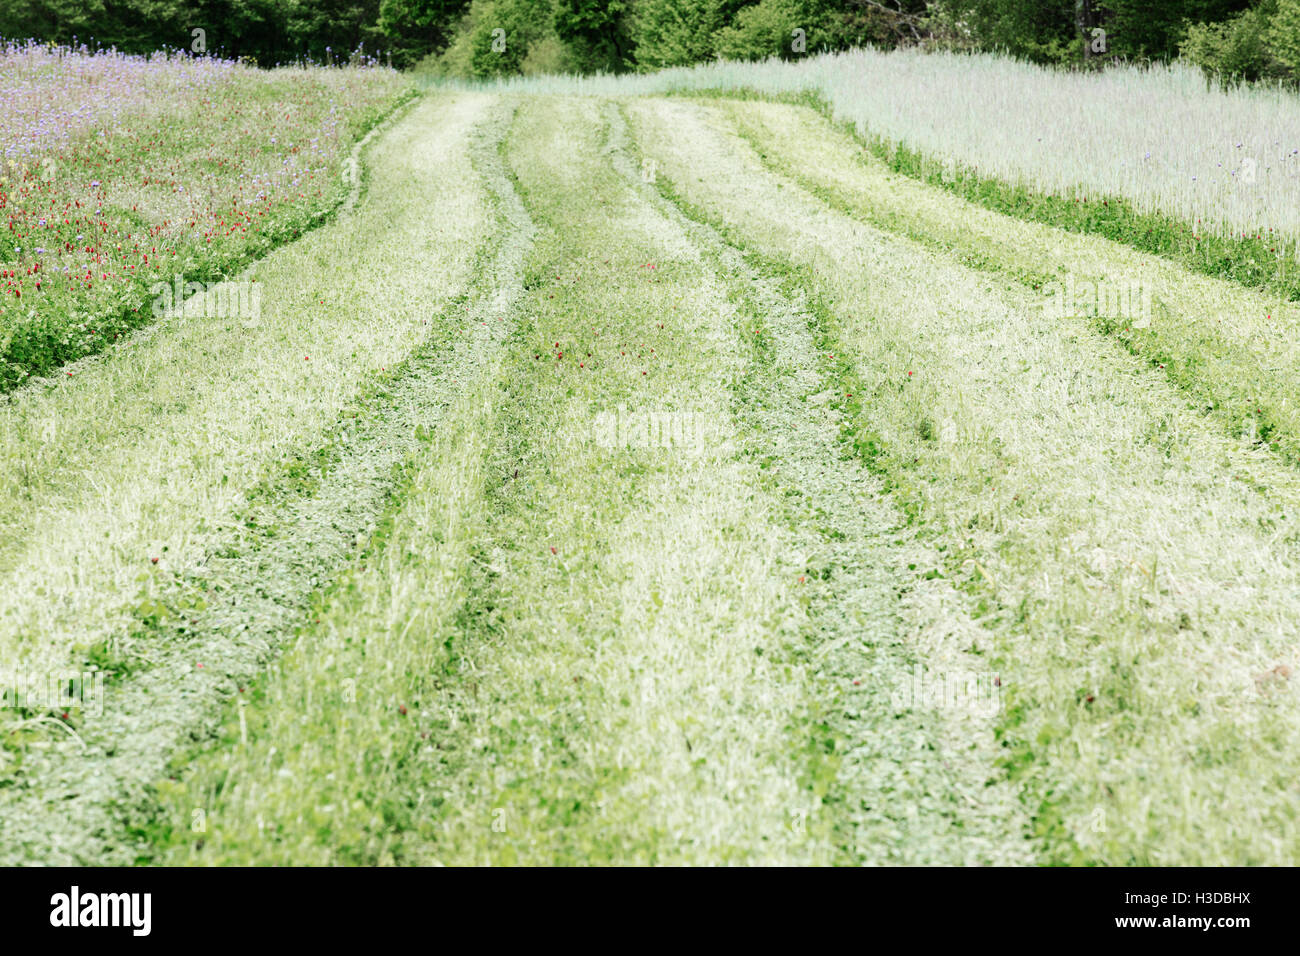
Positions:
(480, 38)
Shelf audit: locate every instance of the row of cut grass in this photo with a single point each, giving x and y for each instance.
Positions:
(905, 700)
(597, 697)
(616, 667)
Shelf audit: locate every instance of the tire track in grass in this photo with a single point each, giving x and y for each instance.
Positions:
(306, 773)
(76, 803)
(915, 783)
(1136, 567)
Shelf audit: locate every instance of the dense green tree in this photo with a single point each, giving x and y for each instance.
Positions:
(415, 28)
(678, 32)
(257, 29)
(131, 26)
(498, 36)
(768, 28)
(329, 30)
(1152, 29)
(1236, 48)
(1239, 38)
(1283, 36)
(1039, 30)
(597, 32)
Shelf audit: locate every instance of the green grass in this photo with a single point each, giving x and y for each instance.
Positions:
(416, 600)
(1229, 348)
(1074, 495)
(572, 653)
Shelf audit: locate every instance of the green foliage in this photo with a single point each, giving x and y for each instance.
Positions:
(504, 33)
(597, 34)
(1260, 43)
(416, 28)
(1037, 30)
(1241, 39)
(328, 29)
(547, 55)
(1062, 31)
(495, 48)
(766, 29)
(1283, 35)
(1151, 29)
(678, 32)
(1236, 48)
(506, 38)
(136, 25)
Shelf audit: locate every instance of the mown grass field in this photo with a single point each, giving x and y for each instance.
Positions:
(645, 479)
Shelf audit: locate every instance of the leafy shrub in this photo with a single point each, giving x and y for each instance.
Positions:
(678, 32)
(1238, 48)
(1283, 35)
(547, 54)
(414, 27)
(596, 34)
(765, 29)
(504, 38)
